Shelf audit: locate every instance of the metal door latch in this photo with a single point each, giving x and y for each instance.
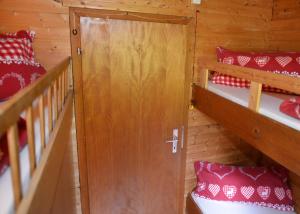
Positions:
(174, 141)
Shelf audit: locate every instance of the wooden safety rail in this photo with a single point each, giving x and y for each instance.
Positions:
(52, 91)
(274, 139)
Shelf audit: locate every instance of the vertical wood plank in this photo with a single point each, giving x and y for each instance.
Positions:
(49, 103)
(61, 91)
(55, 101)
(63, 87)
(204, 78)
(13, 148)
(255, 95)
(42, 122)
(30, 139)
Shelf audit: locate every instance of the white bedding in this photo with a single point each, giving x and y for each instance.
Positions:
(217, 207)
(6, 191)
(269, 103)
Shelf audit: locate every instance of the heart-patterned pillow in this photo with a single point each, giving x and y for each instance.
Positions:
(256, 185)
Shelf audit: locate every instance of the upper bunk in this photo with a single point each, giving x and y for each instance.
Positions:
(251, 114)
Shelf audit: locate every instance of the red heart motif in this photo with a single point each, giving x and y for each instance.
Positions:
(247, 192)
(283, 60)
(253, 173)
(220, 171)
(280, 193)
(243, 60)
(214, 189)
(261, 61)
(229, 191)
(228, 60)
(264, 192)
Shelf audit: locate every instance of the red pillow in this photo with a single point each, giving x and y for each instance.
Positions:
(4, 156)
(291, 107)
(18, 67)
(286, 63)
(252, 185)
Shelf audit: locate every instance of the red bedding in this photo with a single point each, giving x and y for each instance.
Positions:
(291, 107)
(4, 156)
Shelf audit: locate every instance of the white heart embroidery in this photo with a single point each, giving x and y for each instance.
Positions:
(298, 60)
(253, 177)
(229, 191)
(283, 60)
(247, 192)
(13, 75)
(264, 192)
(261, 61)
(289, 194)
(228, 60)
(214, 189)
(279, 192)
(201, 186)
(220, 176)
(243, 60)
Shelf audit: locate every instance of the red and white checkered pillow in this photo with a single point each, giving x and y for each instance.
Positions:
(291, 107)
(17, 48)
(286, 63)
(18, 67)
(260, 186)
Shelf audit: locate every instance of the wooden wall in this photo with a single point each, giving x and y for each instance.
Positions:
(50, 21)
(167, 7)
(285, 26)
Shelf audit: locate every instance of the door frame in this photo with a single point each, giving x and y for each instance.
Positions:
(75, 35)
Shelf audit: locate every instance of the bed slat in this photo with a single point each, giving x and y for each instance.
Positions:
(55, 102)
(49, 104)
(13, 148)
(30, 139)
(255, 95)
(42, 122)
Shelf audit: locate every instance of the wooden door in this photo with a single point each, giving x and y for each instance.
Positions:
(133, 87)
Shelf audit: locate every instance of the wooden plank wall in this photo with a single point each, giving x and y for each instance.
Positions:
(284, 35)
(284, 32)
(167, 7)
(50, 21)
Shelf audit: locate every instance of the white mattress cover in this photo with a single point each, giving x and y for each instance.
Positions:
(269, 102)
(6, 191)
(222, 207)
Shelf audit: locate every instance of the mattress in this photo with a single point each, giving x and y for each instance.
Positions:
(6, 191)
(269, 102)
(216, 207)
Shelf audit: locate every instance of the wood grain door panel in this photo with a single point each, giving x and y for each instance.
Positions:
(133, 76)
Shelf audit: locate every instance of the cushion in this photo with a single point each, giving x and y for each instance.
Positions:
(291, 107)
(286, 63)
(261, 186)
(4, 157)
(18, 67)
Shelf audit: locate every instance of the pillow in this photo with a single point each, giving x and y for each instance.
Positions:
(262, 186)
(291, 107)
(4, 156)
(18, 67)
(286, 63)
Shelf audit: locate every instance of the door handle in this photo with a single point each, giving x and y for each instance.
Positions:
(174, 141)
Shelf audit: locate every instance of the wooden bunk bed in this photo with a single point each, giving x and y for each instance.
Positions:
(49, 187)
(277, 140)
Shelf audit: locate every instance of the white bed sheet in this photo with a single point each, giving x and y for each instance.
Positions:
(269, 103)
(6, 191)
(221, 207)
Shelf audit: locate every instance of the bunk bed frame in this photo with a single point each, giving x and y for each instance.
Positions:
(45, 193)
(278, 141)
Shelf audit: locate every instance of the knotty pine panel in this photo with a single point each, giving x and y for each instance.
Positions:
(50, 21)
(284, 34)
(167, 7)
